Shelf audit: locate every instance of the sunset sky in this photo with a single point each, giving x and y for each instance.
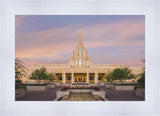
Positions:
(109, 39)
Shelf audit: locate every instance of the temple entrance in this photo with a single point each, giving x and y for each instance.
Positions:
(80, 77)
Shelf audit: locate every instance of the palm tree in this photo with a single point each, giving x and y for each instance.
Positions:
(20, 70)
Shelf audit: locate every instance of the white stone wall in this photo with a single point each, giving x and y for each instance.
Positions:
(36, 88)
(123, 88)
(59, 68)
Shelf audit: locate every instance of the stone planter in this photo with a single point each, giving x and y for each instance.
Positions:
(50, 86)
(103, 84)
(36, 88)
(87, 85)
(81, 90)
(94, 84)
(57, 83)
(62, 93)
(140, 93)
(65, 84)
(73, 86)
(123, 87)
(110, 86)
(99, 93)
(80, 85)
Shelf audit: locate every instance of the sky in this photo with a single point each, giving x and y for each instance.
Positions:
(109, 39)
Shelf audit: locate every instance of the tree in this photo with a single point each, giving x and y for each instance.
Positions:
(120, 74)
(51, 77)
(109, 77)
(141, 80)
(128, 73)
(20, 70)
(42, 74)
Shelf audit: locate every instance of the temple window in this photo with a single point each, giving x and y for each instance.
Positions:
(80, 62)
(68, 78)
(59, 78)
(91, 78)
(79, 51)
(100, 78)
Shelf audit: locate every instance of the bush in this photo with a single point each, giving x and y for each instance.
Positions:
(138, 87)
(141, 80)
(18, 81)
(65, 88)
(21, 87)
(34, 84)
(96, 88)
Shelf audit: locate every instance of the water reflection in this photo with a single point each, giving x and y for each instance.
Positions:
(80, 97)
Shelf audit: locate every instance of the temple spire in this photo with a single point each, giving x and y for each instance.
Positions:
(79, 27)
(80, 35)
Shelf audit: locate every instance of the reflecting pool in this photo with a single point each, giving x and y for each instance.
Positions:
(80, 97)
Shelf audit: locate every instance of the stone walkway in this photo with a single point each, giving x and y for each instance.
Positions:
(111, 95)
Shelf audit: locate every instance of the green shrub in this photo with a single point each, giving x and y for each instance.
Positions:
(138, 87)
(18, 81)
(21, 87)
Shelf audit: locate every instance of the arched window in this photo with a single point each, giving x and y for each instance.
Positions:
(79, 51)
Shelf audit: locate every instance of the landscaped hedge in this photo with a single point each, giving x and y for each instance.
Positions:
(34, 84)
(22, 87)
(66, 88)
(138, 87)
(126, 84)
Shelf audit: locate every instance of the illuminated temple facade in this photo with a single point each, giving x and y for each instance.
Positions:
(79, 68)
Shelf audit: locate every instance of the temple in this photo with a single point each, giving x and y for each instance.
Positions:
(80, 68)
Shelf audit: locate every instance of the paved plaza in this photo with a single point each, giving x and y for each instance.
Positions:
(50, 95)
(113, 95)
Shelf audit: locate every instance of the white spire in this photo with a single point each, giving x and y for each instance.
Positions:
(80, 35)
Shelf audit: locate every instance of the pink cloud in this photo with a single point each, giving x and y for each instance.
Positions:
(117, 34)
(45, 51)
(55, 42)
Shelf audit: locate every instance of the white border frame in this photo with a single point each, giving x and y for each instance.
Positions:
(11, 8)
